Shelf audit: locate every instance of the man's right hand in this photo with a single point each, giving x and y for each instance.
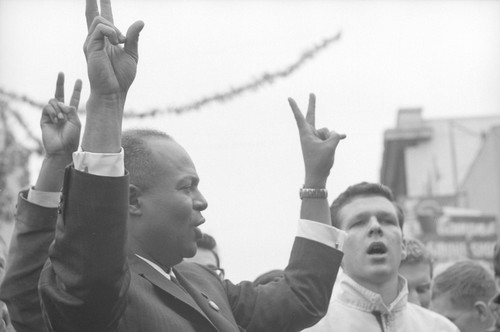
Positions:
(318, 145)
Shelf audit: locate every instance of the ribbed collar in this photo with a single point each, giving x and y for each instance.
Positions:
(353, 294)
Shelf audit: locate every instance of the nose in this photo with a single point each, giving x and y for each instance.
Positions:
(375, 228)
(199, 202)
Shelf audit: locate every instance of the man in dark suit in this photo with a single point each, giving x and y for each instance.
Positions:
(120, 236)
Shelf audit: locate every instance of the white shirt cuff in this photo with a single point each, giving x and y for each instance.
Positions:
(47, 199)
(322, 233)
(103, 164)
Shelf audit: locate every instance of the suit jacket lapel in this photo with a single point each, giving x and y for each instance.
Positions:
(208, 306)
(148, 272)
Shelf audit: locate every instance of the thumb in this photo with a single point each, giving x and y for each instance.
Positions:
(71, 114)
(335, 138)
(132, 42)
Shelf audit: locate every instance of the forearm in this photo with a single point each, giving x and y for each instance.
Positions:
(33, 233)
(88, 257)
(294, 302)
(50, 178)
(315, 209)
(104, 124)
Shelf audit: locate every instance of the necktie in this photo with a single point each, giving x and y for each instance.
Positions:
(175, 281)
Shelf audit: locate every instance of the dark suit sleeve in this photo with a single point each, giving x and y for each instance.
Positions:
(293, 302)
(33, 233)
(84, 283)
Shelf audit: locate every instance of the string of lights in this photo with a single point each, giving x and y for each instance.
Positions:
(220, 97)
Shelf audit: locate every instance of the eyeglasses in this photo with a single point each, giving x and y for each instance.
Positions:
(217, 270)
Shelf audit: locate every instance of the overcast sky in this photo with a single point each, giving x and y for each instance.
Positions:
(443, 56)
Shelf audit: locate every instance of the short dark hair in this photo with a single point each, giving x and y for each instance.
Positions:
(208, 242)
(466, 282)
(417, 253)
(139, 158)
(363, 189)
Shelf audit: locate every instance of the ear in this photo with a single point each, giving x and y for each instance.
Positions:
(482, 311)
(403, 249)
(134, 200)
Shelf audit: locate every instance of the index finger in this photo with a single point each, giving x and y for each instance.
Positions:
(59, 95)
(299, 117)
(91, 11)
(75, 97)
(106, 11)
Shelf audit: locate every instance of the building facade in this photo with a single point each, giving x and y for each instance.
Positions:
(446, 175)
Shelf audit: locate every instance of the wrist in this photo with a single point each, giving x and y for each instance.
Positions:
(58, 160)
(105, 106)
(107, 100)
(315, 182)
(104, 124)
(51, 174)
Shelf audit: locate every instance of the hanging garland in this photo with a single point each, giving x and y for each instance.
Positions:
(220, 97)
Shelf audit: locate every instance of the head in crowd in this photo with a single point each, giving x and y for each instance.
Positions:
(374, 247)
(496, 264)
(461, 293)
(416, 268)
(268, 276)
(164, 201)
(207, 255)
(494, 303)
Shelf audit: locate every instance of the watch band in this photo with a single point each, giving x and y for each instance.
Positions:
(313, 193)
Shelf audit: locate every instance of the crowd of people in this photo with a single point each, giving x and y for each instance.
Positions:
(108, 238)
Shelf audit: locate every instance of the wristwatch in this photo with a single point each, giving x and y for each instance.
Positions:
(313, 193)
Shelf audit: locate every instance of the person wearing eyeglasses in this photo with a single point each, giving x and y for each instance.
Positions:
(207, 255)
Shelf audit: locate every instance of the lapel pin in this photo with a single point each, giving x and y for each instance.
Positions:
(213, 305)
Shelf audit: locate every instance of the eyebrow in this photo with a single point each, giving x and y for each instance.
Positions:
(192, 178)
(365, 215)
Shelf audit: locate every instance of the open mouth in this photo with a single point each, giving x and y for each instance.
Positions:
(376, 248)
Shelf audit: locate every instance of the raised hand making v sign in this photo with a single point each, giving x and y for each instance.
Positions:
(111, 68)
(318, 151)
(60, 135)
